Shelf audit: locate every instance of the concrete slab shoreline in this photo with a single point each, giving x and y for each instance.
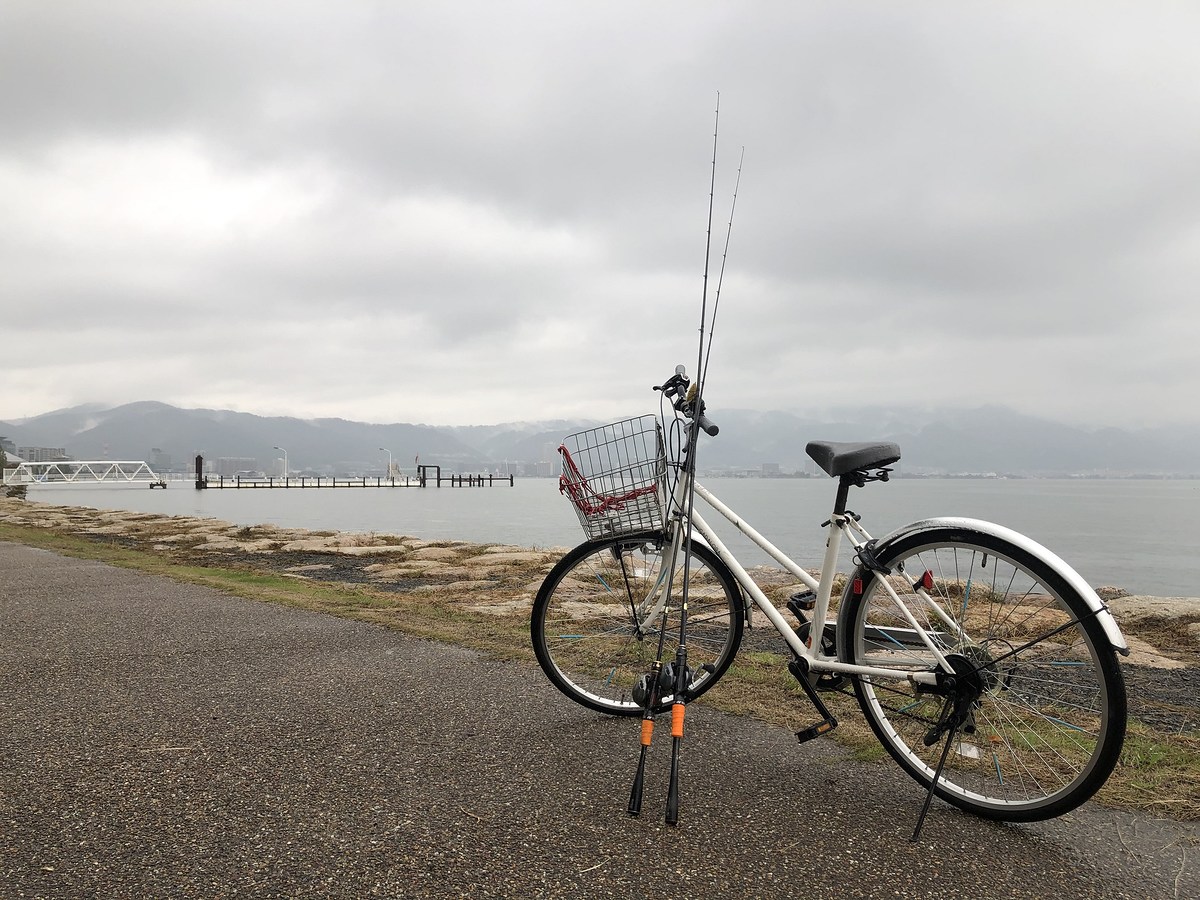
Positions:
(161, 739)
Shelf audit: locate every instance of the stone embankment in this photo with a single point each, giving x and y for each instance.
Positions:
(495, 578)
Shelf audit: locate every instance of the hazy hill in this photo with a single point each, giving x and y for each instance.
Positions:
(982, 440)
(133, 430)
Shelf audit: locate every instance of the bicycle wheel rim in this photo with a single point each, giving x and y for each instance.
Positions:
(588, 641)
(1050, 720)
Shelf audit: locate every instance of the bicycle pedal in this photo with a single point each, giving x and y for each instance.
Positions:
(801, 600)
(815, 731)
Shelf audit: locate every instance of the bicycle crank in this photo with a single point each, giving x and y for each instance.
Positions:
(799, 669)
(826, 681)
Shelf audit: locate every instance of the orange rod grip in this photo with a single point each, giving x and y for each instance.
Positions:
(677, 720)
(647, 731)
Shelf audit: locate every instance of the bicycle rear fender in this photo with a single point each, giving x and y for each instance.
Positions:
(1033, 548)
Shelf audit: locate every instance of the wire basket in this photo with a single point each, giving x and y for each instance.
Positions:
(614, 476)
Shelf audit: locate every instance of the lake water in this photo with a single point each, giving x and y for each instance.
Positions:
(1143, 536)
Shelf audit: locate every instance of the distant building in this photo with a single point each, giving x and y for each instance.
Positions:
(43, 454)
(7, 446)
(232, 465)
(770, 470)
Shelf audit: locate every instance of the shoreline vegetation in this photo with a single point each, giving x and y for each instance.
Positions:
(479, 595)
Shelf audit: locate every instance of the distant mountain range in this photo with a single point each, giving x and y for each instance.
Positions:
(987, 439)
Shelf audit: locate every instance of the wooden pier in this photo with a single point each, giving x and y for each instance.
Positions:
(426, 475)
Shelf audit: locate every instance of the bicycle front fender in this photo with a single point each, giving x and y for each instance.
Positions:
(1111, 630)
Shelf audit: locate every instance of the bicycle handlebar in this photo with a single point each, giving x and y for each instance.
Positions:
(710, 427)
(680, 391)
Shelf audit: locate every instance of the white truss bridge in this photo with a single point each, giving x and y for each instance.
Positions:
(84, 472)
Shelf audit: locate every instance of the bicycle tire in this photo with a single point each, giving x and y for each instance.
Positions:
(587, 640)
(1049, 724)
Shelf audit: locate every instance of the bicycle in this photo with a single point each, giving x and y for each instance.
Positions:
(949, 631)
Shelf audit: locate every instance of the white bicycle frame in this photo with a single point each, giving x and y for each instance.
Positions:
(842, 526)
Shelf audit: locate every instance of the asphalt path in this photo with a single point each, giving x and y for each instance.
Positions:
(164, 740)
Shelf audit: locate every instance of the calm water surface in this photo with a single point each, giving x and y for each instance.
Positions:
(1143, 536)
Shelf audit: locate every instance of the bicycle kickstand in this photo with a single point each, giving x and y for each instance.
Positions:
(951, 732)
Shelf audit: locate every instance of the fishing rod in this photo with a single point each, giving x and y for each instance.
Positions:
(702, 375)
(682, 672)
(649, 691)
(694, 403)
(676, 678)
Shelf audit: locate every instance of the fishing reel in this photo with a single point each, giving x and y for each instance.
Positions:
(643, 689)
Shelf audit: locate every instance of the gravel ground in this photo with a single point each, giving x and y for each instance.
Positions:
(165, 740)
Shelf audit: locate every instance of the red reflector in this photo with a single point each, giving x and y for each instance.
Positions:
(927, 580)
(858, 585)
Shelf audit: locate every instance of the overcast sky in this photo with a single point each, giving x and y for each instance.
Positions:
(485, 212)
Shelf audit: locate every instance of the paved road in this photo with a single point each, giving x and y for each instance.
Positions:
(164, 740)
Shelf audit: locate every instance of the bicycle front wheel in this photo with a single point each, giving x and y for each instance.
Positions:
(600, 612)
(1046, 727)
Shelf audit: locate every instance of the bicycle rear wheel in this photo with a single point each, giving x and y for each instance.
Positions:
(1047, 726)
(595, 632)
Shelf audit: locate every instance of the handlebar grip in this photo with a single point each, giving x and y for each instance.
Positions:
(709, 427)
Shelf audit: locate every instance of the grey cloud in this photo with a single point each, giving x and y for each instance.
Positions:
(523, 189)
